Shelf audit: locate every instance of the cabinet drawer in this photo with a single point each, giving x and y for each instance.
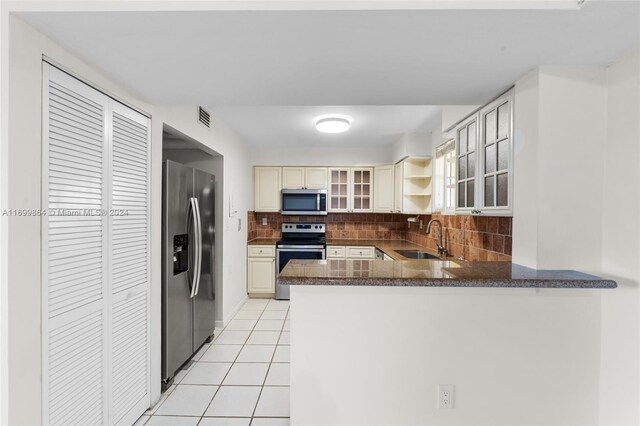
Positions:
(361, 252)
(262, 251)
(336, 252)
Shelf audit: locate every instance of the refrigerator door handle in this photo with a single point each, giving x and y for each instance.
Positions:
(193, 263)
(198, 247)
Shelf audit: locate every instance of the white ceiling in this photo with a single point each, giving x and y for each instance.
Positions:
(371, 126)
(266, 72)
(411, 57)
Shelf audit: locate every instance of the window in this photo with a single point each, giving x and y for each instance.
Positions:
(445, 177)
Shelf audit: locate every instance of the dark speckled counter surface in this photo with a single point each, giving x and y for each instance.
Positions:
(263, 242)
(433, 273)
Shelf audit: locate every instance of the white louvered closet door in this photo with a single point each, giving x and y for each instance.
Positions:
(129, 263)
(95, 298)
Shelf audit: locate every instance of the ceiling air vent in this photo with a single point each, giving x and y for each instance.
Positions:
(204, 117)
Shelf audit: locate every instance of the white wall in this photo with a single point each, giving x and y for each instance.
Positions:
(411, 144)
(558, 163)
(620, 357)
(451, 114)
(375, 355)
(324, 156)
(525, 178)
(21, 164)
(577, 202)
(4, 222)
(408, 144)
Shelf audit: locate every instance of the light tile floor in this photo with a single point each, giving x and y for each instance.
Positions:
(240, 379)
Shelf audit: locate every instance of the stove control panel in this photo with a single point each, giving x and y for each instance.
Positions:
(303, 227)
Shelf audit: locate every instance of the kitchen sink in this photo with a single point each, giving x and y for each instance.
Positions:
(416, 254)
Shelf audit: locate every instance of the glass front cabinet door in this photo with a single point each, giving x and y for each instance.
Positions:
(484, 150)
(497, 159)
(466, 148)
(351, 189)
(339, 193)
(362, 184)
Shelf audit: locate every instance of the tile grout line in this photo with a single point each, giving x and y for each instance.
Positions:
(235, 361)
(269, 369)
(217, 390)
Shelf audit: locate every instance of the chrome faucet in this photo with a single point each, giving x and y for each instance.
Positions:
(442, 252)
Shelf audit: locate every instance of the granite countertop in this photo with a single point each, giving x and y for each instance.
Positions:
(263, 242)
(387, 246)
(433, 273)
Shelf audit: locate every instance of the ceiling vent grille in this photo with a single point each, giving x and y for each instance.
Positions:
(204, 117)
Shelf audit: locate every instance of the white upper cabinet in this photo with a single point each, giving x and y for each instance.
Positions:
(466, 148)
(292, 177)
(315, 177)
(267, 186)
(397, 196)
(351, 189)
(407, 186)
(304, 177)
(339, 190)
(484, 147)
(384, 189)
(416, 185)
(495, 188)
(362, 189)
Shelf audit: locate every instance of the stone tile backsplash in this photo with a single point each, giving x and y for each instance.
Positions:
(374, 226)
(473, 238)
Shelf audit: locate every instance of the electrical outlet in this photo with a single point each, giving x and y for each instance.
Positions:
(264, 221)
(420, 224)
(445, 397)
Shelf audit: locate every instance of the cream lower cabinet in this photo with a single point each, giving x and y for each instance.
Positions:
(351, 252)
(336, 252)
(261, 270)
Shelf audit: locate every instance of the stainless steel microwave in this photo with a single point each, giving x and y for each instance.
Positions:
(304, 202)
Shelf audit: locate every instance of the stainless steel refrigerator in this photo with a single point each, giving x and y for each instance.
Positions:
(188, 285)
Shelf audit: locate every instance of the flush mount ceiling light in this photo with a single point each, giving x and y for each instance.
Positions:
(333, 123)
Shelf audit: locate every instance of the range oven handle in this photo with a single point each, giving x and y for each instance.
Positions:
(309, 250)
(300, 248)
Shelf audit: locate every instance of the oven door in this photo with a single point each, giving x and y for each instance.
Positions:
(300, 202)
(287, 253)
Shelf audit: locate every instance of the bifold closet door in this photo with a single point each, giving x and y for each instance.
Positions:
(95, 253)
(129, 263)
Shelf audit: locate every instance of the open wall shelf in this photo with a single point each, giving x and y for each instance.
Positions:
(416, 185)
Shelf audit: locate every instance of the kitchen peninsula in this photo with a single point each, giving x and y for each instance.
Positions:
(373, 340)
